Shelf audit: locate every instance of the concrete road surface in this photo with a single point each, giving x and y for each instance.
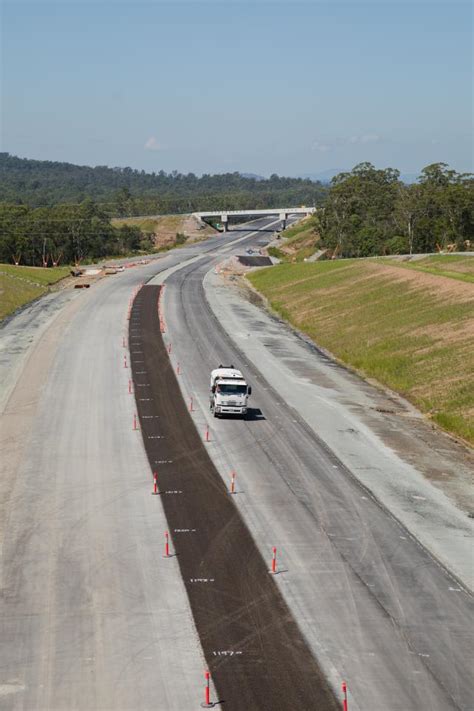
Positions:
(90, 617)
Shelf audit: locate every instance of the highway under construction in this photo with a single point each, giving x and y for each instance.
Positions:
(255, 652)
(130, 569)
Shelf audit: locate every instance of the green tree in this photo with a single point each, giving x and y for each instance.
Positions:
(357, 220)
(409, 208)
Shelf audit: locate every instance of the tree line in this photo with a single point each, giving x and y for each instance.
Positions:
(371, 212)
(64, 234)
(365, 212)
(125, 192)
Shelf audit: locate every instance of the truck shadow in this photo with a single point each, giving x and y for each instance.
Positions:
(255, 413)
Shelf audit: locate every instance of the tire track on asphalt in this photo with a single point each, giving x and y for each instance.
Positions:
(255, 652)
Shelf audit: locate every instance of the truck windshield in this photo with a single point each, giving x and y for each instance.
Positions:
(232, 389)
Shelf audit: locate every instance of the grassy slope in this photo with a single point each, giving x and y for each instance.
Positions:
(19, 285)
(168, 223)
(164, 228)
(414, 334)
(297, 242)
(450, 265)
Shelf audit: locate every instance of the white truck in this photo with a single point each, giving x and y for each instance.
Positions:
(229, 392)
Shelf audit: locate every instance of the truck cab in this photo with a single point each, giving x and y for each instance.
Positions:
(229, 392)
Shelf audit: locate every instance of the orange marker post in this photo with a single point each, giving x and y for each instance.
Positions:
(344, 700)
(167, 546)
(207, 692)
(274, 561)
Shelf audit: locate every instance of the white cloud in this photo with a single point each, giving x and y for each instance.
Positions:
(321, 147)
(328, 144)
(367, 138)
(152, 144)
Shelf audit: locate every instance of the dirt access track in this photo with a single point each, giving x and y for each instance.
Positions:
(255, 652)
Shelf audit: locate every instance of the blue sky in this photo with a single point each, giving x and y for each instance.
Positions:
(291, 87)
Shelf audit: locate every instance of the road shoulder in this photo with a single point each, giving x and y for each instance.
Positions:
(427, 488)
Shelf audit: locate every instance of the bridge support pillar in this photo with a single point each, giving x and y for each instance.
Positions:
(283, 219)
(225, 222)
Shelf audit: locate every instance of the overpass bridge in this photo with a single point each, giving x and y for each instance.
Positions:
(283, 213)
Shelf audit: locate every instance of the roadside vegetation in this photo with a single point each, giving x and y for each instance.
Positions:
(64, 234)
(20, 285)
(371, 212)
(408, 325)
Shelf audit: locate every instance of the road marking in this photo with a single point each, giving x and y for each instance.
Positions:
(177, 491)
(201, 580)
(155, 437)
(145, 399)
(226, 653)
(455, 589)
(185, 530)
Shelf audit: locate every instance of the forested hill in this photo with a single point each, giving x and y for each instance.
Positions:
(124, 191)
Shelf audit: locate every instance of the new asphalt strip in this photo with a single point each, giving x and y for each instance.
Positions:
(254, 650)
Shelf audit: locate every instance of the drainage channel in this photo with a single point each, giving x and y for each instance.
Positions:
(257, 656)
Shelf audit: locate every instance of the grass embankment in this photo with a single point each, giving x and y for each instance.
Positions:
(411, 330)
(297, 242)
(19, 285)
(164, 229)
(454, 266)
